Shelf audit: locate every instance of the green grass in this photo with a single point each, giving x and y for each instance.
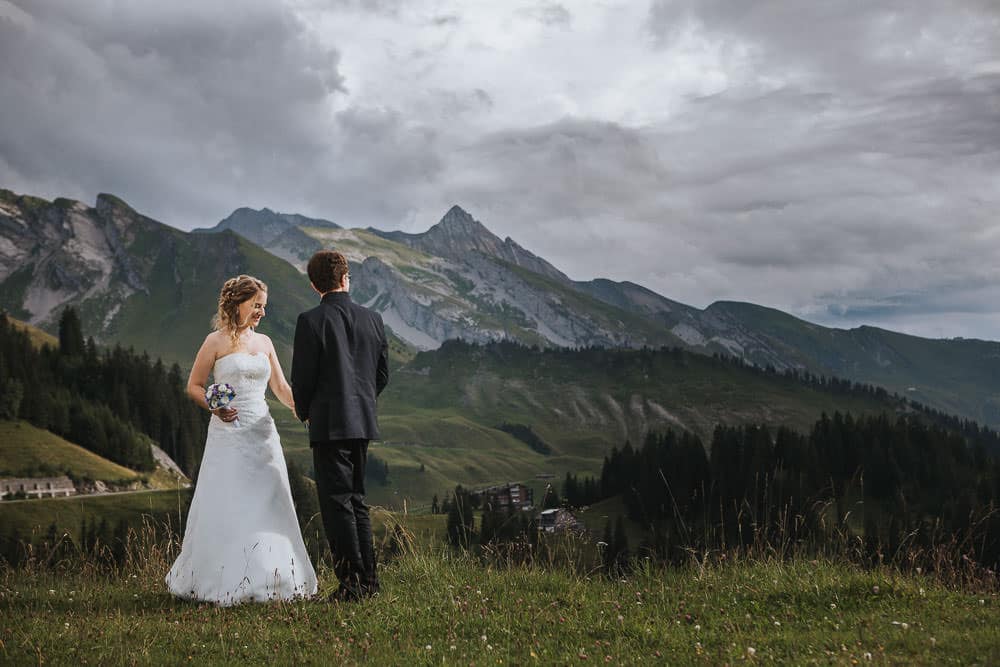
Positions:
(442, 411)
(31, 518)
(23, 448)
(957, 376)
(363, 242)
(442, 609)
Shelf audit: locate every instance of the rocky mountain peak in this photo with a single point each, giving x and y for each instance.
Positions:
(458, 222)
(108, 203)
(265, 226)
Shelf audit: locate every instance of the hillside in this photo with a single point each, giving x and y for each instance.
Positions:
(26, 451)
(38, 337)
(442, 411)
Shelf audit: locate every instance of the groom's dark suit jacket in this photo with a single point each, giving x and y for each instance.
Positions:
(339, 366)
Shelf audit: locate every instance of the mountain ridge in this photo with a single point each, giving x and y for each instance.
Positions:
(455, 280)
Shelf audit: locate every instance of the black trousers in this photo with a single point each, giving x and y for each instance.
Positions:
(340, 482)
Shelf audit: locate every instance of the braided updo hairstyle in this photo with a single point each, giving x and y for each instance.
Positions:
(234, 292)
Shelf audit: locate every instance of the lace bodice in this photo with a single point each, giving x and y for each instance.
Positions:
(248, 374)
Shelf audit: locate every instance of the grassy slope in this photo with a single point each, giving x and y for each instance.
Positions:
(357, 244)
(184, 278)
(742, 613)
(958, 376)
(38, 337)
(23, 447)
(441, 411)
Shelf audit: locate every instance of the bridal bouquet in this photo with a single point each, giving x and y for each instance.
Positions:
(220, 396)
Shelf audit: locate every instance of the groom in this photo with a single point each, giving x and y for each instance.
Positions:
(339, 367)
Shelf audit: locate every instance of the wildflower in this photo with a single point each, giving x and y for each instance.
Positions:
(868, 655)
(982, 602)
(833, 605)
(875, 590)
(777, 623)
(51, 592)
(452, 647)
(905, 626)
(751, 651)
(66, 624)
(482, 638)
(697, 627)
(428, 647)
(933, 641)
(921, 592)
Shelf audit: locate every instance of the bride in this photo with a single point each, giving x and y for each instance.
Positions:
(242, 540)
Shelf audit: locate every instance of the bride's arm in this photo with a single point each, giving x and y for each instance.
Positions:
(278, 384)
(198, 378)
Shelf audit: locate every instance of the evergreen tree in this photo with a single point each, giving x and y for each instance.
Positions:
(11, 393)
(70, 333)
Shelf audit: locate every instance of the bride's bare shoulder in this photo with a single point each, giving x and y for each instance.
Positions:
(267, 346)
(215, 342)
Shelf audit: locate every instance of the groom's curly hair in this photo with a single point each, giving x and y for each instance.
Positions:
(326, 269)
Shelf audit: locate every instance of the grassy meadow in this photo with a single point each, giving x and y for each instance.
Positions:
(439, 607)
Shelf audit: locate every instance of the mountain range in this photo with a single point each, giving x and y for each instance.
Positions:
(139, 282)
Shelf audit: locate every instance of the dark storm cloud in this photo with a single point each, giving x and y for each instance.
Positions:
(837, 160)
(860, 47)
(181, 106)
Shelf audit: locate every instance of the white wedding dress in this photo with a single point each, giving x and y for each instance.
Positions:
(242, 542)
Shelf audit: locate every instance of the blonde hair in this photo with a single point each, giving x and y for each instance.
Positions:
(235, 291)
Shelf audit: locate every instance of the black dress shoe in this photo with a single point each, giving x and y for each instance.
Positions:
(343, 594)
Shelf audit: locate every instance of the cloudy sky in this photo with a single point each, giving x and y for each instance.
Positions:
(837, 160)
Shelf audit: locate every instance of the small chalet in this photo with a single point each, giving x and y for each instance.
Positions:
(557, 520)
(37, 487)
(512, 496)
